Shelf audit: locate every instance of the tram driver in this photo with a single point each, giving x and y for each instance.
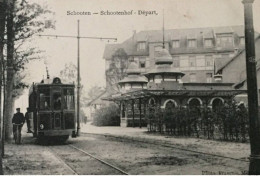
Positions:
(57, 102)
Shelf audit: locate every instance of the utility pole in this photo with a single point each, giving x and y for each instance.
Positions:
(2, 29)
(78, 93)
(252, 90)
(78, 37)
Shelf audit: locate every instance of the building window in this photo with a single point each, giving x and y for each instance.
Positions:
(209, 77)
(157, 48)
(225, 41)
(141, 46)
(209, 61)
(192, 77)
(130, 59)
(142, 64)
(176, 44)
(208, 43)
(242, 40)
(192, 43)
(192, 61)
(176, 61)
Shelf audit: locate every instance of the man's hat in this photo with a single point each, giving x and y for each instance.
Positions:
(17, 108)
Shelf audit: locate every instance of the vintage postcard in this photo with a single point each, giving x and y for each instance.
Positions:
(129, 87)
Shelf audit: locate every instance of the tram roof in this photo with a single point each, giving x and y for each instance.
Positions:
(34, 85)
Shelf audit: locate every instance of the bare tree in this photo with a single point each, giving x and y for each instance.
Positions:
(116, 70)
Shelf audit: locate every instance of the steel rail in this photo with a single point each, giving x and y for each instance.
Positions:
(62, 161)
(169, 146)
(102, 161)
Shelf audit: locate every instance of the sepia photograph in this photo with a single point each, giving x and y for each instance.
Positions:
(129, 87)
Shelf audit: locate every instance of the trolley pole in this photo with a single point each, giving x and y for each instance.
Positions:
(78, 91)
(252, 90)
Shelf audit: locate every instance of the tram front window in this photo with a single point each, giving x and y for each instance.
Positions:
(68, 99)
(44, 99)
(56, 100)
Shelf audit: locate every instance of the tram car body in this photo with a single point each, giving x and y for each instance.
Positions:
(52, 109)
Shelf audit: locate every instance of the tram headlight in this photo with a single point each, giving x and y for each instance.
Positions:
(41, 126)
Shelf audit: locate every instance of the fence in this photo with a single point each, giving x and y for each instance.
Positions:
(225, 123)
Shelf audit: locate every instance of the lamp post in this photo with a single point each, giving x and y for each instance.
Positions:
(252, 90)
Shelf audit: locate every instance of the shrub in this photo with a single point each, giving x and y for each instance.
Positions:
(107, 116)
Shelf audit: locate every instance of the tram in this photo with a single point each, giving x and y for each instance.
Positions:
(52, 109)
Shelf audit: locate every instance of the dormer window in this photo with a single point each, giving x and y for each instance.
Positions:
(192, 43)
(176, 44)
(242, 41)
(208, 43)
(225, 41)
(141, 46)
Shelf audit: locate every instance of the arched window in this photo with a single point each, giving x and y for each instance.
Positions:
(169, 105)
(151, 102)
(194, 102)
(168, 101)
(217, 103)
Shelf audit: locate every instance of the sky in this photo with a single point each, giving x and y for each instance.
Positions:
(178, 14)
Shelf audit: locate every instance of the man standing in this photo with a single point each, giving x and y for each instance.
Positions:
(28, 121)
(18, 121)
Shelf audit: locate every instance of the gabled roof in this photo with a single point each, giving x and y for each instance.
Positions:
(221, 62)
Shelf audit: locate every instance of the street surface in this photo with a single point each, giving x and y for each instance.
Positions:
(133, 157)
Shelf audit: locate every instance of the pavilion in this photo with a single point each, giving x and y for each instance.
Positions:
(164, 89)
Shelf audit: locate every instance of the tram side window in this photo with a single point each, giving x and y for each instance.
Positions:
(44, 99)
(56, 100)
(68, 99)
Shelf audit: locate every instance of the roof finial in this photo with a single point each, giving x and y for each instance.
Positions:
(163, 29)
(48, 76)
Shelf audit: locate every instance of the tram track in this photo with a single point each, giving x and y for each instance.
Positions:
(65, 161)
(102, 161)
(168, 146)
